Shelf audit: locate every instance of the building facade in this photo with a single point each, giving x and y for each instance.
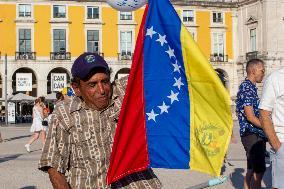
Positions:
(43, 38)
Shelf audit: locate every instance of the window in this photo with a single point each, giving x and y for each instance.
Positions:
(25, 10)
(126, 43)
(93, 12)
(125, 15)
(217, 17)
(24, 40)
(188, 16)
(253, 39)
(59, 40)
(93, 41)
(59, 11)
(218, 44)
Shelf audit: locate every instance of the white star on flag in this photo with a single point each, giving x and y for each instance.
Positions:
(176, 67)
(164, 108)
(152, 115)
(178, 83)
(170, 52)
(150, 32)
(162, 39)
(173, 96)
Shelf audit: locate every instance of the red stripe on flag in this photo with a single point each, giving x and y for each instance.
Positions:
(130, 151)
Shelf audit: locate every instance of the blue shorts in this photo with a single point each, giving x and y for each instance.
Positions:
(277, 160)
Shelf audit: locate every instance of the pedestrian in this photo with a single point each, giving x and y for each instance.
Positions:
(37, 128)
(251, 132)
(272, 120)
(82, 131)
(1, 140)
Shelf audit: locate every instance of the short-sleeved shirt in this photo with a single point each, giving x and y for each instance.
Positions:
(273, 100)
(79, 144)
(247, 96)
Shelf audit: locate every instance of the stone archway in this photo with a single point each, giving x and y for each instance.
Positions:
(58, 70)
(223, 75)
(34, 81)
(122, 72)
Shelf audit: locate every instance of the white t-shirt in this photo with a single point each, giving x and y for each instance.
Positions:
(273, 100)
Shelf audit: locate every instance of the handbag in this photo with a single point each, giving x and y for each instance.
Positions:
(44, 123)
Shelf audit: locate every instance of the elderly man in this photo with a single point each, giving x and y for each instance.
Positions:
(272, 120)
(252, 135)
(78, 147)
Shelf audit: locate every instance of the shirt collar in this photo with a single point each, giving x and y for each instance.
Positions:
(251, 83)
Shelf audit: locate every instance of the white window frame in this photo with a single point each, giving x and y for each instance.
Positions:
(18, 9)
(100, 37)
(66, 12)
(60, 26)
(250, 40)
(133, 38)
(92, 6)
(194, 16)
(224, 42)
(17, 36)
(216, 23)
(125, 20)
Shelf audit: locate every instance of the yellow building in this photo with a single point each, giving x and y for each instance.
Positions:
(42, 39)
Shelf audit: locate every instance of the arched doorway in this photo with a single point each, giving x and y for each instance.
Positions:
(59, 72)
(122, 72)
(33, 92)
(223, 77)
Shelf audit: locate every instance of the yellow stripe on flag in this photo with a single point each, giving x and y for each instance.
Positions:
(210, 114)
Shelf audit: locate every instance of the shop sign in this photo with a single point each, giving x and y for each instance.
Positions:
(58, 81)
(24, 82)
(11, 112)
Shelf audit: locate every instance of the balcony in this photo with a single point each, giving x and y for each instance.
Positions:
(99, 53)
(125, 56)
(60, 56)
(25, 55)
(252, 55)
(218, 58)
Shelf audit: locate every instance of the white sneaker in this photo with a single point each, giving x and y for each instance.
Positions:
(27, 146)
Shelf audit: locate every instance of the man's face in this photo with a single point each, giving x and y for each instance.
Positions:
(96, 92)
(259, 72)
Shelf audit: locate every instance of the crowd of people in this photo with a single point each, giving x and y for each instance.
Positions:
(261, 120)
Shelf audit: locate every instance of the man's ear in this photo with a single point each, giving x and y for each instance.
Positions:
(76, 89)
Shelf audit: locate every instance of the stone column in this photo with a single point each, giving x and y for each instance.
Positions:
(41, 87)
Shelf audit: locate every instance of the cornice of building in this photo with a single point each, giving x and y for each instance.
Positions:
(200, 3)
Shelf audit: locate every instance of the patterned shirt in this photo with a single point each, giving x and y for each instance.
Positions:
(79, 145)
(247, 96)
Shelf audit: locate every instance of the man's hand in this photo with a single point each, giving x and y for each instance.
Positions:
(268, 128)
(57, 179)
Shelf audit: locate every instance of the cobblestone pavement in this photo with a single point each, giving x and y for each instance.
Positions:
(18, 169)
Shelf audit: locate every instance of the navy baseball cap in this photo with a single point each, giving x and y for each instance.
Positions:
(86, 63)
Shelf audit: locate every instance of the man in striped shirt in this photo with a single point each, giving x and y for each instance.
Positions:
(78, 146)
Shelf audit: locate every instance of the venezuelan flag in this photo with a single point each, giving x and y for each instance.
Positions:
(176, 112)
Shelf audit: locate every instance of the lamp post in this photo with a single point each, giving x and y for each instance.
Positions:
(6, 100)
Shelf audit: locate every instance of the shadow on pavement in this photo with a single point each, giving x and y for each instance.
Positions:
(237, 178)
(28, 187)
(15, 138)
(8, 158)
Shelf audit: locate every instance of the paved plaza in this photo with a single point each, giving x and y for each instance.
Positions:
(18, 169)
